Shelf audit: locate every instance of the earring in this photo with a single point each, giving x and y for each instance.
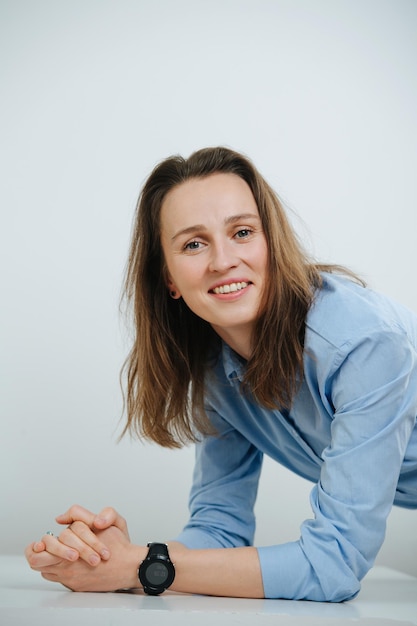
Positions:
(173, 294)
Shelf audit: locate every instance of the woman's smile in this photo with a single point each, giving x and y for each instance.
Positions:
(230, 287)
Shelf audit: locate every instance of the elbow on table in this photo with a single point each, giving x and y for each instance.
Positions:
(289, 572)
(318, 594)
(338, 587)
(341, 594)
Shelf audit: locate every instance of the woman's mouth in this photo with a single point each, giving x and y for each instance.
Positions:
(229, 287)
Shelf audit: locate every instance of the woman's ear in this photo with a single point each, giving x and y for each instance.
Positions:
(173, 291)
(172, 288)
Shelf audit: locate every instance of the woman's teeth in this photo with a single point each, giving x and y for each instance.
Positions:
(229, 288)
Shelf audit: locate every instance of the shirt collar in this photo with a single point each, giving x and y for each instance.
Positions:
(234, 365)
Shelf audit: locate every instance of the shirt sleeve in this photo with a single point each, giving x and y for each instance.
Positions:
(224, 489)
(371, 387)
(373, 390)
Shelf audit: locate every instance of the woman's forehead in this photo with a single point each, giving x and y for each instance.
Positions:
(221, 191)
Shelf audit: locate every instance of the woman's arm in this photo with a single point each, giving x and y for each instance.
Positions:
(233, 572)
(219, 572)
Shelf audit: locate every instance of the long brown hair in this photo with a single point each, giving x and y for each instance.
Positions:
(166, 367)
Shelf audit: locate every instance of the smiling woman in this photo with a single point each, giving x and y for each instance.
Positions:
(246, 347)
(187, 211)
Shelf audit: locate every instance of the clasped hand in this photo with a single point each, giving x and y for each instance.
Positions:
(93, 552)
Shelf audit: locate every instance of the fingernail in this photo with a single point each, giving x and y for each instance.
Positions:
(105, 554)
(94, 559)
(72, 555)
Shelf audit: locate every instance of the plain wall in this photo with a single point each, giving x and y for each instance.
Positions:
(321, 94)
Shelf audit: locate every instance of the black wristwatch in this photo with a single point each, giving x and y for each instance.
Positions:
(157, 571)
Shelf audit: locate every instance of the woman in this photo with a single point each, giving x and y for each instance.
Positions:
(247, 348)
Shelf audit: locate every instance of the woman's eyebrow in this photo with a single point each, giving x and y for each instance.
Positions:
(241, 217)
(189, 230)
(232, 219)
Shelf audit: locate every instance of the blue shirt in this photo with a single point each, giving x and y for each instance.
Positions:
(351, 430)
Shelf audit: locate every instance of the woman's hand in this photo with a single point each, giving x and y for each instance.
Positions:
(80, 539)
(81, 532)
(117, 572)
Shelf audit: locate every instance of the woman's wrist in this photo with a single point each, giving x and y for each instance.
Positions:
(133, 560)
(138, 553)
(176, 550)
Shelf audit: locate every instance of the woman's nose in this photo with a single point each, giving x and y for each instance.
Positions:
(223, 257)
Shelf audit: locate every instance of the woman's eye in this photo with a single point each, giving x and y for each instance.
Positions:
(192, 245)
(243, 232)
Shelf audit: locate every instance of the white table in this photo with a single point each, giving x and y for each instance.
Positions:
(388, 598)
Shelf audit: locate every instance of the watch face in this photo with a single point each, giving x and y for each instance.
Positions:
(156, 574)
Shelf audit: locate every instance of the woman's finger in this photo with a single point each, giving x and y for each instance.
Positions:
(81, 538)
(38, 546)
(106, 518)
(76, 513)
(54, 547)
(110, 517)
(38, 560)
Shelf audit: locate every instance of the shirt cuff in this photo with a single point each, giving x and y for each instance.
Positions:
(287, 573)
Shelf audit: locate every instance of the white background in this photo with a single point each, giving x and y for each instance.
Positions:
(321, 94)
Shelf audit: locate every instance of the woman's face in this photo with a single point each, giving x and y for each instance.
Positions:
(216, 253)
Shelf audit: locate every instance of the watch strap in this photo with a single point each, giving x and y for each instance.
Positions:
(157, 549)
